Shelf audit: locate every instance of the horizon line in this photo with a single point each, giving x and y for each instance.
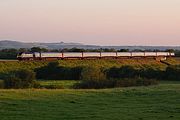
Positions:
(92, 44)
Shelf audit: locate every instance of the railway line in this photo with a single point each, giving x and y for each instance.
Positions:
(80, 55)
(93, 55)
(15, 60)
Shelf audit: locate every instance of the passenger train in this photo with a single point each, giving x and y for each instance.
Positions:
(91, 55)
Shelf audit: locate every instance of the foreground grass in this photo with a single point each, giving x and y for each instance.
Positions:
(159, 102)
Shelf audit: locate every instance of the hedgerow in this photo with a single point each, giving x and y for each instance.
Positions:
(93, 73)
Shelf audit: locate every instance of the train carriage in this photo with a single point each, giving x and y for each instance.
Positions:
(72, 55)
(109, 54)
(91, 55)
(50, 55)
(150, 54)
(163, 54)
(138, 54)
(124, 54)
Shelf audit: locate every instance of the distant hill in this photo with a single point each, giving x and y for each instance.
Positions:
(15, 44)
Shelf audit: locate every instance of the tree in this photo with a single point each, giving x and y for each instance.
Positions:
(22, 50)
(170, 50)
(109, 50)
(123, 50)
(8, 53)
(177, 53)
(44, 50)
(76, 50)
(35, 49)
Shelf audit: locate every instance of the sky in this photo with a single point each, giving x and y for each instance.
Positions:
(95, 22)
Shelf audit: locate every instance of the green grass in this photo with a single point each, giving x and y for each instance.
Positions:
(161, 102)
(65, 84)
(68, 84)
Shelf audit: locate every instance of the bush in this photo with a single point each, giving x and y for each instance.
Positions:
(1, 84)
(20, 79)
(122, 72)
(130, 72)
(47, 72)
(173, 72)
(56, 72)
(93, 77)
(150, 73)
(92, 74)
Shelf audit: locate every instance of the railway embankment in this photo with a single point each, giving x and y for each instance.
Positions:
(6, 66)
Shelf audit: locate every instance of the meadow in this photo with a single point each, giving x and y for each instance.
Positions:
(157, 102)
(160, 102)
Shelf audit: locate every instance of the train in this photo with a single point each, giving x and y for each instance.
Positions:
(91, 55)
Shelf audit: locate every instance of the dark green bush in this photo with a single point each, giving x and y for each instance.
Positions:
(20, 79)
(150, 73)
(177, 53)
(173, 72)
(130, 72)
(1, 84)
(122, 72)
(47, 72)
(56, 72)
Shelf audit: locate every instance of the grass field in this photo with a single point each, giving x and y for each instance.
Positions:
(161, 102)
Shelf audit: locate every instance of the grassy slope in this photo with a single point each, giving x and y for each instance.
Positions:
(173, 61)
(14, 65)
(139, 103)
(139, 63)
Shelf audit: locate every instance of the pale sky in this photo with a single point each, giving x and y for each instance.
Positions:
(101, 22)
